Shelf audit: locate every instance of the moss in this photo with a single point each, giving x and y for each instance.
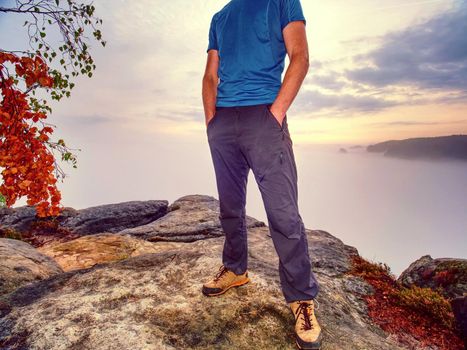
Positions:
(122, 256)
(420, 312)
(450, 272)
(446, 278)
(45, 230)
(372, 270)
(10, 233)
(456, 266)
(426, 302)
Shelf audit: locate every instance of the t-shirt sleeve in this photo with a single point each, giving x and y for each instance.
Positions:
(212, 35)
(291, 10)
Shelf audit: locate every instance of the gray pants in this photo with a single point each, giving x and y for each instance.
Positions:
(250, 137)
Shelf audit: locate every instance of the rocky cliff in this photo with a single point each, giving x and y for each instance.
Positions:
(439, 147)
(446, 275)
(117, 282)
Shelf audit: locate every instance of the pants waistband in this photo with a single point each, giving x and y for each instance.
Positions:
(238, 108)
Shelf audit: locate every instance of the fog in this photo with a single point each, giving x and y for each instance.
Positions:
(391, 210)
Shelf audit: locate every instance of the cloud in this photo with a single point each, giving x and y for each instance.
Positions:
(91, 120)
(426, 63)
(313, 100)
(328, 81)
(428, 55)
(417, 123)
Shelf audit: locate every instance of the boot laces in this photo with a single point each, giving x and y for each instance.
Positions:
(222, 271)
(306, 309)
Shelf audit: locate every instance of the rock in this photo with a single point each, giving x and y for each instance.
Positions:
(90, 250)
(72, 223)
(140, 288)
(40, 232)
(21, 263)
(447, 275)
(459, 307)
(154, 301)
(17, 218)
(115, 217)
(189, 218)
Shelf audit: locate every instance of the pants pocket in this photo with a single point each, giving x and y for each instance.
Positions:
(274, 119)
(212, 119)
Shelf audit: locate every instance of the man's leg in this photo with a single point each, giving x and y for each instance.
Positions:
(231, 169)
(270, 154)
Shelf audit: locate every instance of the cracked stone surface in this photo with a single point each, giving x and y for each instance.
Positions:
(140, 288)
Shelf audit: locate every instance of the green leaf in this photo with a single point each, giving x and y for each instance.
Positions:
(42, 34)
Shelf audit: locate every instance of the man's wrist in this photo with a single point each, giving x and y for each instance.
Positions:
(277, 110)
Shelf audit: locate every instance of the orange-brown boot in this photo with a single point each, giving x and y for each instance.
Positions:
(307, 330)
(224, 280)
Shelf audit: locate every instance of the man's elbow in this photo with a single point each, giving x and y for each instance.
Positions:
(302, 58)
(210, 77)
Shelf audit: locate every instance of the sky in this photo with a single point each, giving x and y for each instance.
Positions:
(379, 70)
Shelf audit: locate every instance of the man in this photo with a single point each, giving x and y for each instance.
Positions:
(245, 107)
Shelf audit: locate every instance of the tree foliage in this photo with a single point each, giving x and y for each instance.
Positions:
(26, 148)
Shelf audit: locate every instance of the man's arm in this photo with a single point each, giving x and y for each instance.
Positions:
(210, 81)
(297, 49)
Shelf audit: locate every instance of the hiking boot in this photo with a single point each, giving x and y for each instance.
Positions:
(224, 280)
(307, 330)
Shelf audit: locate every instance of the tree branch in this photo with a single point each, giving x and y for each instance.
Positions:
(17, 10)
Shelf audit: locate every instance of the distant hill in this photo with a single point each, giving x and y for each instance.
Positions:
(441, 147)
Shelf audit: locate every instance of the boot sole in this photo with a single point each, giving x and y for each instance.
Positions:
(238, 284)
(314, 346)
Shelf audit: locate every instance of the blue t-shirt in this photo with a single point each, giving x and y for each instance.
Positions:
(251, 49)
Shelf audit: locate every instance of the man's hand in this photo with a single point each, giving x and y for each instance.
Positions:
(278, 114)
(297, 48)
(208, 118)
